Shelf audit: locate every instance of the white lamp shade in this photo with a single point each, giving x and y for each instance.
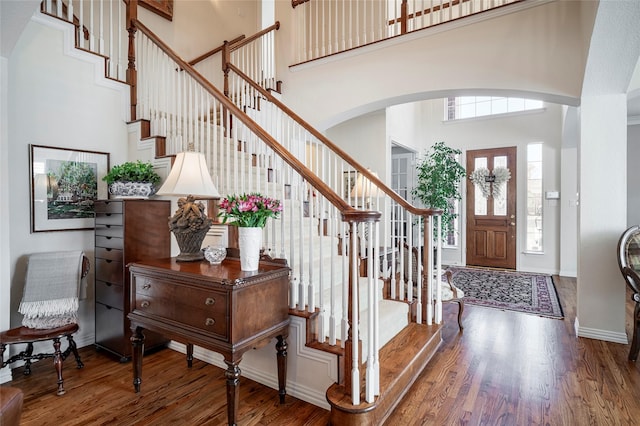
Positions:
(190, 176)
(364, 187)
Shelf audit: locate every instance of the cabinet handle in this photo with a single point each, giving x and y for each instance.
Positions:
(145, 304)
(209, 301)
(209, 321)
(146, 286)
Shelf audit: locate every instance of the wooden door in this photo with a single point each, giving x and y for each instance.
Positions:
(491, 221)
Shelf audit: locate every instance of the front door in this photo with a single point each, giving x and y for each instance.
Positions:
(491, 216)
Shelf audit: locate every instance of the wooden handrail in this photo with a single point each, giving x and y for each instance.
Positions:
(369, 175)
(295, 3)
(405, 17)
(347, 211)
(234, 46)
(214, 51)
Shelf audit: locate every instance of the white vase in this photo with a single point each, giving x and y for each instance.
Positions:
(250, 242)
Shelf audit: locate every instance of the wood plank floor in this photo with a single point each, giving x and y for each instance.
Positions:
(504, 369)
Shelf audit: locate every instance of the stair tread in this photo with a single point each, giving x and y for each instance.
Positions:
(401, 361)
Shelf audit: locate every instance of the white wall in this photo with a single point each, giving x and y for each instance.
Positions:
(419, 125)
(5, 269)
(364, 138)
(199, 26)
(569, 194)
(517, 53)
(517, 130)
(602, 217)
(405, 124)
(56, 102)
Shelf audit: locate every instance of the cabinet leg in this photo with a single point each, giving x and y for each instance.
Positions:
(189, 355)
(233, 390)
(137, 341)
(281, 347)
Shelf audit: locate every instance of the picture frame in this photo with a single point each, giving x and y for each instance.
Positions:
(64, 184)
(348, 182)
(163, 8)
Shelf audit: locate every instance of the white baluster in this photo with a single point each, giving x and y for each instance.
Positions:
(438, 307)
(429, 268)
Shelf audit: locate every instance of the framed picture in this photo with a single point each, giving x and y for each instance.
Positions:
(64, 185)
(163, 8)
(349, 181)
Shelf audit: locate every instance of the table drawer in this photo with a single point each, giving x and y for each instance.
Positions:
(109, 253)
(109, 230)
(106, 206)
(110, 294)
(204, 309)
(110, 271)
(109, 242)
(109, 219)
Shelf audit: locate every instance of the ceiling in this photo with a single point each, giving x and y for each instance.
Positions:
(15, 14)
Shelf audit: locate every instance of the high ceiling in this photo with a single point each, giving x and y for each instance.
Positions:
(15, 14)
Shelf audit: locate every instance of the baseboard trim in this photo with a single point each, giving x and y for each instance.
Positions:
(5, 375)
(571, 274)
(598, 334)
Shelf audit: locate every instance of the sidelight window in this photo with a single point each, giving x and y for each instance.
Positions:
(534, 197)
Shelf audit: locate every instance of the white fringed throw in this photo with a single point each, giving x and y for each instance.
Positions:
(51, 288)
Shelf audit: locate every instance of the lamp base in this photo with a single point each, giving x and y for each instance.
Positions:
(190, 244)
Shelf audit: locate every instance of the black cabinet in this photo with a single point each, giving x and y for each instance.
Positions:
(126, 230)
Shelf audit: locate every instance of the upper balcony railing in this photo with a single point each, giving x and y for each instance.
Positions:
(327, 27)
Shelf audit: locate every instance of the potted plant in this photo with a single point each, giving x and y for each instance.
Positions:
(132, 179)
(439, 177)
(249, 212)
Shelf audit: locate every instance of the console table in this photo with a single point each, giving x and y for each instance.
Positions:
(217, 307)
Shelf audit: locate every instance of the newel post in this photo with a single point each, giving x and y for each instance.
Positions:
(132, 74)
(404, 16)
(353, 379)
(226, 60)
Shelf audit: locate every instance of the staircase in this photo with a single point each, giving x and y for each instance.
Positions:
(382, 337)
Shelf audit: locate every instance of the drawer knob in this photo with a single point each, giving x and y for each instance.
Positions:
(146, 286)
(145, 304)
(209, 321)
(209, 301)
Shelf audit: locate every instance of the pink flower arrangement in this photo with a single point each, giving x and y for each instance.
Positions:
(249, 210)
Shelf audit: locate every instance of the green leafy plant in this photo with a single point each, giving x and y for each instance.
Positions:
(439, 177)
(132, 172)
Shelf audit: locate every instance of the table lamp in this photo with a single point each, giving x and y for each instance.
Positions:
(190, 176)
(364, 189)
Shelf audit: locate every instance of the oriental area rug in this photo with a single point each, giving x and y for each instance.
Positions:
(508, 290)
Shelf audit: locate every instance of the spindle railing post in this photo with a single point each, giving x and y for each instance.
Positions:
(404, 16)
(132, 75)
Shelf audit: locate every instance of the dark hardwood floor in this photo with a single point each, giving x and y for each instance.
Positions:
(504, 369)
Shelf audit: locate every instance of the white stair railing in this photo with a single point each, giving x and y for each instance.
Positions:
(99, 28)
(326, 27)
(289, 162)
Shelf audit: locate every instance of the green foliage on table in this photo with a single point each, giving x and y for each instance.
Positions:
(439, 177)
(132, 172)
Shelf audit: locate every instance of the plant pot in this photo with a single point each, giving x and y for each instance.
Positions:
(249, 242)
(131, 189)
